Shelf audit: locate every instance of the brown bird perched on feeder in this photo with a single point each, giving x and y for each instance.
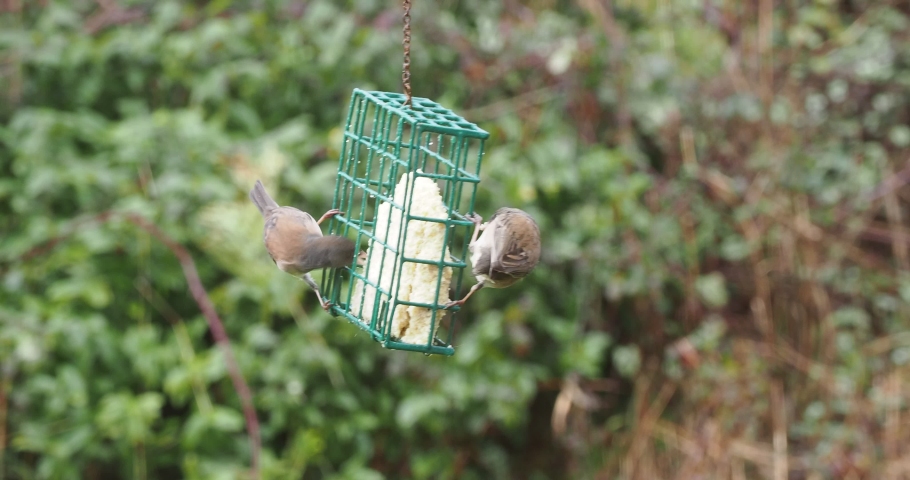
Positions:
(506, 252)
(295, 241)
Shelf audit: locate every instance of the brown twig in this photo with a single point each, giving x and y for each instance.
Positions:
(111, 14)
(766, 52)
(647, 416)
(11, 6)
(893, 183)
(779, 437)
(893, 213)
(515, 104)
(4, 385)
(603, 385)
(202, 300)
(890, 184)
(570, 395)
(757, 453)
(882, 234)
(602, 12)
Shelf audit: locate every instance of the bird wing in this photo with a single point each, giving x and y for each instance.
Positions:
(286, 231)
(513, 235)
(294, 222)
(509, 255)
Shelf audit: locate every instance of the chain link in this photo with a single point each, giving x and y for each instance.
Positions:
(406, 42)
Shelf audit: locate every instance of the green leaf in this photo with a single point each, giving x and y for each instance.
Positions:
(712, 289)
(848, 317)
(585, 355)
(414, 408)
(627, 360)
(225, 419)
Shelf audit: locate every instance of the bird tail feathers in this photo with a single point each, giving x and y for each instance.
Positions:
(261, 198)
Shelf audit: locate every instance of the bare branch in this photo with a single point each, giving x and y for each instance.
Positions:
(200, 295)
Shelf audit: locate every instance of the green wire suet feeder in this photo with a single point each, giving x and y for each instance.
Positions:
(407, 176)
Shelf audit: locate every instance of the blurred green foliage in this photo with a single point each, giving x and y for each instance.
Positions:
(720, 187)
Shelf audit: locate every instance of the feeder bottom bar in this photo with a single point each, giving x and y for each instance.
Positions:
(424, 241)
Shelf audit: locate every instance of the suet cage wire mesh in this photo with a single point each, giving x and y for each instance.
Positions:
(385, 139)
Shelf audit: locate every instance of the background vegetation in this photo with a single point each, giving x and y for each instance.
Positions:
(724, 291)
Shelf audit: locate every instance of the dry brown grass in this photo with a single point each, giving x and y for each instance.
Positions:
(789, 393)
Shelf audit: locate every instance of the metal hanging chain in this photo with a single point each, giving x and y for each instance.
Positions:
(406, 42)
